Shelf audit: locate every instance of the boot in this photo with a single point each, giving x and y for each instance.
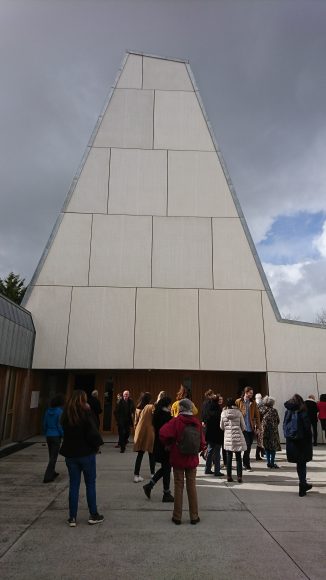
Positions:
(167, 497)
(302, 490)
(307, 486)
(258, 452)
(148, 489)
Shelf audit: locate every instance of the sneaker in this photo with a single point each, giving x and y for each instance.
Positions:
(72, 522)
(247, 468)
(138, 479)
(95, 519)
(167, 497)
(147, 489)
(275, 466)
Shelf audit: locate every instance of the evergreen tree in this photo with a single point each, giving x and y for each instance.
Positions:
(13, 287)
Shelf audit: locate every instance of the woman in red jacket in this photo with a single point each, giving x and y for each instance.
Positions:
(179, 435)
(321, 405)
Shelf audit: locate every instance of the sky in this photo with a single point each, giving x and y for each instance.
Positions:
(260, 69)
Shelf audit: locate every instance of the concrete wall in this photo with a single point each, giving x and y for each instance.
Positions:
(150, 266)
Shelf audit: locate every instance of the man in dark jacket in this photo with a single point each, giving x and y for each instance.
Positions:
(214, 437)
(124, 415)
(312, 411)
(297, 431)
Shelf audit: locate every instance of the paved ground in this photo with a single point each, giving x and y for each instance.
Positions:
(260, 529)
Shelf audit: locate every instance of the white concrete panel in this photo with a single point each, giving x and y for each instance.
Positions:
(321, 379)
(234, 264)
(101, 330)
(68, 259)
(197, 185)
(138, 182)
(128, 121)
(293, 347)
(165, 75)
(179, 122)
(182, 253)
(50, 306)
(166, 329)
(282, 386)
(231, 330)
(91, 192)
(131, 76)
(121, 251)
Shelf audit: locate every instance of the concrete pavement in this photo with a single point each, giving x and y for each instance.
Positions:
(260, 528)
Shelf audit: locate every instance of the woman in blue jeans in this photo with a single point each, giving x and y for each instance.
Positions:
(81, 440)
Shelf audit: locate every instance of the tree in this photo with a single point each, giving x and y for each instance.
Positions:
(290, 316)
(13, 287)
(320, 317)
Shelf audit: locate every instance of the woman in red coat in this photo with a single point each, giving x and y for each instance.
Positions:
(321, 405)
(184, 464)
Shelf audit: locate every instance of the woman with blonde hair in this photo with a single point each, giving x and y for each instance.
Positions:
(144, 434)
(81, 441)
(183, 393)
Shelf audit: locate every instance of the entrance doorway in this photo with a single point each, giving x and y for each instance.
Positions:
(7, 417)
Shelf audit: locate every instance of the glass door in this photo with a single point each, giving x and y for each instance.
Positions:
(9, 403)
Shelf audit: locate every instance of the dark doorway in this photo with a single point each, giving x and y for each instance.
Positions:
(85, 382)
(108, 402)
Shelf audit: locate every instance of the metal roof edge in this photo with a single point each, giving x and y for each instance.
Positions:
(148, 55)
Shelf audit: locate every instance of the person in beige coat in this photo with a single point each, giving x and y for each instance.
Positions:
(233, 425)
(144, 434)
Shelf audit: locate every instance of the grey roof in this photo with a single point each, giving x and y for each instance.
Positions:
(17, 334)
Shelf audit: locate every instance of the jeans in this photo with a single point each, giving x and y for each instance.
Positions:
(213, 456)
(179, 476)
(165, 472)
(302, 472)
(76, 466)
(53, 444)
(229, 455)
(139, 459)
(270, 456)
(249, 437)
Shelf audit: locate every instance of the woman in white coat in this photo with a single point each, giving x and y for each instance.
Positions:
(233, 425)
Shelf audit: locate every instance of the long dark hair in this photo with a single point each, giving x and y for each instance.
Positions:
(144, 399)
(76, 408)
(298, 401)
(229, 403)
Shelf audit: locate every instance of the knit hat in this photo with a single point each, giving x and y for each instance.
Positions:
(185, 407)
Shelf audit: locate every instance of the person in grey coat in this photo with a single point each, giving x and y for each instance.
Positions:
(233, 425)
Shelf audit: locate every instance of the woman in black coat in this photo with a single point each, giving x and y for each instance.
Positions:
(161, 415)
(214, 437)
(81, 441)
(297, 431)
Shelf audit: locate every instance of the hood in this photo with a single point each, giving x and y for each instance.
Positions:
(231, 413)
(188, 419)
(291, 406)
(54, 410)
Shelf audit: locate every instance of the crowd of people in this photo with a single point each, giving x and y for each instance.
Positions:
(173, 437)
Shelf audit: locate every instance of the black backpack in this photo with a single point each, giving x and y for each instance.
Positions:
(292, 426)
(189, 442)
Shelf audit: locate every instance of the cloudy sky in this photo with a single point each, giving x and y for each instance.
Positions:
(260, 68)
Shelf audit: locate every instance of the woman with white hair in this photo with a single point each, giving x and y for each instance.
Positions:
(271, 438)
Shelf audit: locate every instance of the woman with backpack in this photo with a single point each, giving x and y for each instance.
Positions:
(297, 431)
(183, 436)
(144, 434)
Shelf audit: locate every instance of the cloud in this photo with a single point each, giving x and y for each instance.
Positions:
(320, 242)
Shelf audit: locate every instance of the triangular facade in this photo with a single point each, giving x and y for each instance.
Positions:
(151, 265)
